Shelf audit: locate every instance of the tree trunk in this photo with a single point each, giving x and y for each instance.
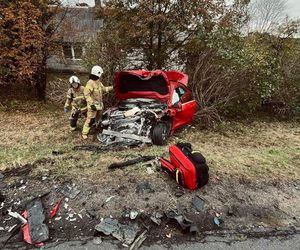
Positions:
(159, 61)
(41, 84)
(41, 78)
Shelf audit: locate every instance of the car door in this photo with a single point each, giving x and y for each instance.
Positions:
(185, 106)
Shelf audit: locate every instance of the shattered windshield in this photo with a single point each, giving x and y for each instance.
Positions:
(133, 83)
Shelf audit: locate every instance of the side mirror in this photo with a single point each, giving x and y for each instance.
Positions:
(178, 106)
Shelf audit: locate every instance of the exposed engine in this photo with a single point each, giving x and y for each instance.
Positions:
(131, 122)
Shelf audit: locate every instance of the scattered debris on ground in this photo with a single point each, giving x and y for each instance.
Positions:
(54, 210)
(35, 231)
(198, 203)
(70, 190)
(156, 217)
(124, 233)
(140, 159)
(139, 241)
(92, 148)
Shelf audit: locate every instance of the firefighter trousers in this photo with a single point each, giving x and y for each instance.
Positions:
(90, 120)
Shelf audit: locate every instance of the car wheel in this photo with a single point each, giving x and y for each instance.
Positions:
(160, 133)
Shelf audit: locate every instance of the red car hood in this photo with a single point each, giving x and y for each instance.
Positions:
(147, 84)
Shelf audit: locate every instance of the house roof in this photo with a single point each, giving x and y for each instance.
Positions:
(78, 24)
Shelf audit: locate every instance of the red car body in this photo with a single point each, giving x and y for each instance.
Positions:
(160, 85)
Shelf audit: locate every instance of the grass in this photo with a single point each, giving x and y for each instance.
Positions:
(31, 131)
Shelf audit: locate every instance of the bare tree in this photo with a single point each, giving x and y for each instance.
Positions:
(266, 15)
(212, 87)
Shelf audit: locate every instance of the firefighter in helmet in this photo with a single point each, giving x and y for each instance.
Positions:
(75, 101)
(93, 93)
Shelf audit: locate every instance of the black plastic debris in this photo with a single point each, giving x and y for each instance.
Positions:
(198, 203)
(94, 148)
(38, 231)
(144, 188)
(2, 197)
(57, 152)
(70, 191)
(192, 222)
(131, 162)
(124, 233)
(184, 222)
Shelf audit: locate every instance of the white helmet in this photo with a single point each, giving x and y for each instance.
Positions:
(74, 79)
(97, 71)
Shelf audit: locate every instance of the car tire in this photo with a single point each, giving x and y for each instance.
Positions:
(160, 133)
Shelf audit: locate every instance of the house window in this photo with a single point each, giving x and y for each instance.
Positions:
(67, 49)
(78, 51)
(73, 51)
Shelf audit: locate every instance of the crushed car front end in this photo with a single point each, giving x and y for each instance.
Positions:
(145, 113)
(132, 122)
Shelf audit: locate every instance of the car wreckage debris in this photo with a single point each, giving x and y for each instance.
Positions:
(139, 241)
(55, 209)
(192, 222)
(57, 152)
(182, 220)
(217, 221)
(156, 218)
(70, 191)
(35, 231)
(131, 162)
(92, 148)
(17, 216)
(126, 136)
(124, 233)
(198, 203)
(133, 214)
(131, 123)
(107, 226)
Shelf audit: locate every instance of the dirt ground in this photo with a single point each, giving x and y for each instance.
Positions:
(254, 177)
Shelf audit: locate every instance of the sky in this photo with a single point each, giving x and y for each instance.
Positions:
(293, 6)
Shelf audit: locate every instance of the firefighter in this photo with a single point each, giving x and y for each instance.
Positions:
(93, 92)
(75, 101)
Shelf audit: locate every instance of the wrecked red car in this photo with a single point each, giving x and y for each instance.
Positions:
(151, 106)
